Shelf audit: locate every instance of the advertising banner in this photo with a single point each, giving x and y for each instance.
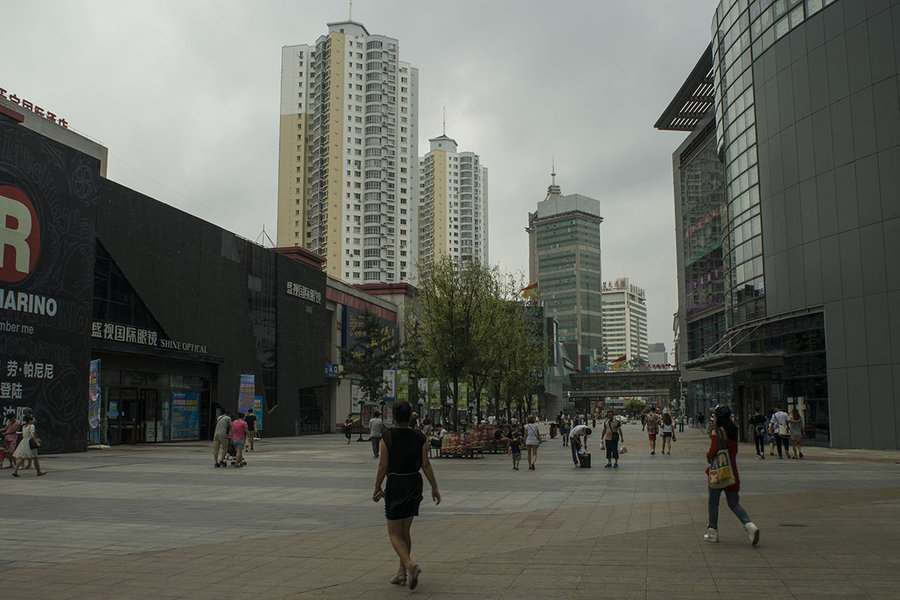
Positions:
(185, 423)
(462, 399)
(258, 411)
(403, 385)
(94, 395)
(390, 381)
(434, 393)
(48, 206)
(247, 393)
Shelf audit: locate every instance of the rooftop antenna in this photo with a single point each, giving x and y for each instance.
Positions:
(263, 237)
(351, 10)
(553, 170)
(445, 121)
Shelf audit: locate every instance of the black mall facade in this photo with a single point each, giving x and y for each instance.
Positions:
(179, 318)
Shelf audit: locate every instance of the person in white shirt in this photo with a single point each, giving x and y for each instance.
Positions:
(578, 440)
(780, 430)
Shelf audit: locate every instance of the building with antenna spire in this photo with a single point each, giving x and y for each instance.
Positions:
(453, 198)
(564, 260)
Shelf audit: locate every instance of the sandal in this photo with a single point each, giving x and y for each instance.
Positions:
(414, 577)
(397, 580)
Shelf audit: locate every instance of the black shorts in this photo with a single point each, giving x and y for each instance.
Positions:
(402, 496)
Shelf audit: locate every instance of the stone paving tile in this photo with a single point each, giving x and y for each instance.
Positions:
(637, 534)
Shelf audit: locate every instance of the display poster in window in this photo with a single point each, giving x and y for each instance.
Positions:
(185, 424)
(48, 206)
(94, 395)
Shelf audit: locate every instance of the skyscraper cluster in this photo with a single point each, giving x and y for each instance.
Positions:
(351, 186)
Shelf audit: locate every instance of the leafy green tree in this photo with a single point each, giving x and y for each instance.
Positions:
(635, 406)
(374, 351)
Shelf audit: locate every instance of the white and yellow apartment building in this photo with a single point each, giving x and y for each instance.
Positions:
(348, 155)
(453, 215)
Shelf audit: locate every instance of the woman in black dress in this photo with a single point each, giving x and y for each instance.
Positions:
(404, 451)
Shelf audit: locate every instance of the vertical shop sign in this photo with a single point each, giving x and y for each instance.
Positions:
(403, 386)
(247, 393)
(48, 206)
(390, 382)
(434, 393)
(257, 410)
(94, 395)
(462, 399)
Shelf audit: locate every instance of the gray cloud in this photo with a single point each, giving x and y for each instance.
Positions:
(185, 95)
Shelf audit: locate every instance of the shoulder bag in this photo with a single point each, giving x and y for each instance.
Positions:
(721, 473)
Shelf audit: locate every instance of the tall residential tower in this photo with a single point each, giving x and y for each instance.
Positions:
(564, 260)
(452, 205)
(624, 321)
(348, 155)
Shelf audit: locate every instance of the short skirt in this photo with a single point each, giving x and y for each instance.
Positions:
(402, 495)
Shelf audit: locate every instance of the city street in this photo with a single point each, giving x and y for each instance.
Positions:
(298, 522)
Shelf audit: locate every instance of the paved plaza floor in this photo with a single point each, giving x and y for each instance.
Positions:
(298, 522)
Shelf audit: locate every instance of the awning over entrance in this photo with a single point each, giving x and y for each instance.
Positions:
(726, 363)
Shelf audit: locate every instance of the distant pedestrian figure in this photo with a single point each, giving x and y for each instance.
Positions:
(758, 431)
(668, 433)
(239, 430)
(796, 426)
(10, 435)
(781, 430)
(725, 429)
(514, 448)
(611, 435)
(532, 440)
(564, 428)
(652, 428)
(220, 439)
(578, 441)
(376, 428)
(348, 427)
(404, 452)
(251, 430)
(27, 448)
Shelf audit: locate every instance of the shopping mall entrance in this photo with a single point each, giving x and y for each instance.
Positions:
(149, 401)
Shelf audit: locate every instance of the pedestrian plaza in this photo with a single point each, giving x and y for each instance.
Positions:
(159, 521)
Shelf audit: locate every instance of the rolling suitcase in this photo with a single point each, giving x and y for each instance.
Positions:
(584, 460)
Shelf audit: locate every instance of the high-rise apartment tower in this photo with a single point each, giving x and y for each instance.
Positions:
(624, 320)
(452, 205)
(348, 154)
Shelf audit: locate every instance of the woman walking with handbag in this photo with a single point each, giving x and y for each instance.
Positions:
(611, 435)
(27, 448)
(724, 438)
(532, 441)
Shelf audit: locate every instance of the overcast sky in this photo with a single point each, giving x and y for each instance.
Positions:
(185, 94)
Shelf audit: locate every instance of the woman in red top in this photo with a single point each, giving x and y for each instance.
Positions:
(723, 426)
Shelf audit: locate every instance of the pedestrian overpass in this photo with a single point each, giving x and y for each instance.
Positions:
(652, 386)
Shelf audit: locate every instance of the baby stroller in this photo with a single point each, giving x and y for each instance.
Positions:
(231, 455)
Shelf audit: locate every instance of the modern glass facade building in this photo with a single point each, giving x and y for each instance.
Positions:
(807, 135)
(564, 260)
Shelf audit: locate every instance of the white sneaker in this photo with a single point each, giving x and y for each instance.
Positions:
(711, 535)
(752, 533)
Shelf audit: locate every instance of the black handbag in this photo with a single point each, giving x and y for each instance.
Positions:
(34, 443)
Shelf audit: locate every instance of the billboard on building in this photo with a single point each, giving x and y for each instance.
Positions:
(48, 204)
